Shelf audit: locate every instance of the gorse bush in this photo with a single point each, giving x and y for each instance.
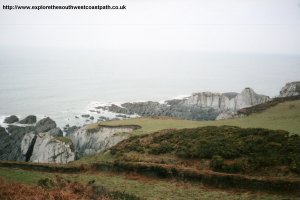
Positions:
(258, 147)
(217, 162)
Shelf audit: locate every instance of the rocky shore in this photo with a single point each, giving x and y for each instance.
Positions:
(33, 140)
(198, 106)
(44, 142)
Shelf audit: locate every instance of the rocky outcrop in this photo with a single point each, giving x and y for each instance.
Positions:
(10, 143)
(89, 141)
(33, 144)
(45, 125)
(48, 149)
(226, 115)
(19, 130)
(2, 130)
(11, 119)
(30, 119)
(224, 102)
(198, 106)
(70, 129)
(55, 132)
(27, 145)
(290, 89)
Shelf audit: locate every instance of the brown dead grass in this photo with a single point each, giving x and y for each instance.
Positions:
(72, 191)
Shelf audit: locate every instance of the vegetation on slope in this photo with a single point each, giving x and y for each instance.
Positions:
(146, 188)
(264, 106)
(224, 149)
(250, 149)
(58, 188)
(283, 116)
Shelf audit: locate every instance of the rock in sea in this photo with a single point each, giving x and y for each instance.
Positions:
(30, 119)
(11, 119)
(45, 125)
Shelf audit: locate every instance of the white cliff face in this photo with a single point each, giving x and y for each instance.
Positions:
(290, 89)
(47, 149)
(90, 142)
(223, 103)
(248, 98)
(26, 142)
(207, 99)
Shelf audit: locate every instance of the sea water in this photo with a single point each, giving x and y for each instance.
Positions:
(64, 83)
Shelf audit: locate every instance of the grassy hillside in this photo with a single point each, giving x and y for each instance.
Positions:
(207, 155)
(226, 149)
(283, 116)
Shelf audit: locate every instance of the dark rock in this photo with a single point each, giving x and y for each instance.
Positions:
(11, 119)
(30, 119)
(92, 118)
(45, 125)
(2, 130)
(122, 116)
(115, 119)
(118, 109)
(102, 118)
(19, 129)
(86, 115)
(69, 130)
(76, 117)
(56, 132)
(10, 144)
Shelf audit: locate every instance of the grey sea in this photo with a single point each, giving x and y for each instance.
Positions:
(63, 83)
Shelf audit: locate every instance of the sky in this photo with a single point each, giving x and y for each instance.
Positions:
(217, 45)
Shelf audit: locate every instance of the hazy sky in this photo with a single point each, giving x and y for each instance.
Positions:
(256, 26)
(227, 44)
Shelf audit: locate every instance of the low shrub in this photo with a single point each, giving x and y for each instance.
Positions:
(261, 147)
(46, 183)
(217, 163)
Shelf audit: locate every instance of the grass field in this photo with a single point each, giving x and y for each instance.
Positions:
(284, 116)
(143, 187)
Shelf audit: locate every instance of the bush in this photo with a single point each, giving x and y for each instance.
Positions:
(261, 147)
(46, 183)
(217, 163)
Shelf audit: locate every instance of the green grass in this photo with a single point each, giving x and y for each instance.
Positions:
(64, 139)
(99, 157)
(284, 116)
(144, 187)
(22, 176)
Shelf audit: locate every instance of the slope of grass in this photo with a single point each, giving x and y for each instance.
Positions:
(283, 116)
(249, 150)
(144, 187)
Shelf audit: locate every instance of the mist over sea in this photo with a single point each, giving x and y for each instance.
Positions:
(62, 83)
